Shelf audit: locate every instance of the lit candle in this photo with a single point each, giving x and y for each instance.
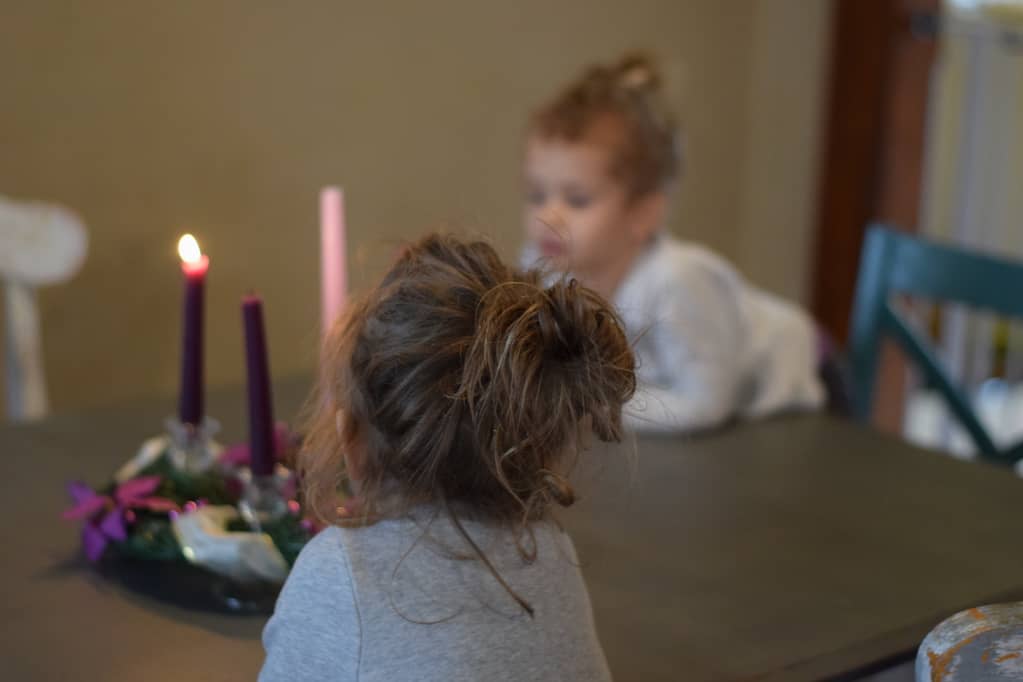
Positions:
(261, 420)
(333, 278)
(194, 266)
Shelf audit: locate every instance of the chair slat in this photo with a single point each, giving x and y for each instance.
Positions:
(939, 272)
(895, 263)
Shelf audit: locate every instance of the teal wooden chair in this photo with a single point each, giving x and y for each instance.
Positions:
(894, 263)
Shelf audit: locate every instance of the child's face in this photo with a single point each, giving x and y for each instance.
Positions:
(579, 217)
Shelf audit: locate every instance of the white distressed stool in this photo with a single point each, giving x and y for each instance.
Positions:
(984, 644)
(40, 244)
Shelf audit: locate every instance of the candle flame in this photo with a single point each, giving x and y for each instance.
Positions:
(188, 249)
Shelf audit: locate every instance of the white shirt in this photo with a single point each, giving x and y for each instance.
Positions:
(709, 346)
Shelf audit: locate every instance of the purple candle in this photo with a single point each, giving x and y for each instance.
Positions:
(261, 419)
(194, 266)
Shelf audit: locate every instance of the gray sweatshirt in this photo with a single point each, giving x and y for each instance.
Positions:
(403, 600)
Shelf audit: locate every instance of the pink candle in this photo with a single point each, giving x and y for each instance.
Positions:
(194, 266)
(261, 418)
(333, 277)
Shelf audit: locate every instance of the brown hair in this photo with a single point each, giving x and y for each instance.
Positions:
(628, 94)
(461, 381)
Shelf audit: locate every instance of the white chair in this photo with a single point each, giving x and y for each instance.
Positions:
(40, 244)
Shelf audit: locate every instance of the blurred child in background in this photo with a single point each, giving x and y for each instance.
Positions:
(601, 161)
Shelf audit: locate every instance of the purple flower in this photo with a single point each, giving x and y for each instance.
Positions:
(105, 514)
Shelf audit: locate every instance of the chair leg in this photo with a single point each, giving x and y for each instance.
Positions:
(26, 383)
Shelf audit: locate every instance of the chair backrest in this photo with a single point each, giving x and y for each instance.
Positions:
(39, 244)
(894, 263)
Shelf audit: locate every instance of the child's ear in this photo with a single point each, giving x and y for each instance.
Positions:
(352, 454)
(647, 215)
(353, 464)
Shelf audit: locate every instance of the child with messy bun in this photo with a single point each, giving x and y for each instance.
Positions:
(453, 400)
(601, 160)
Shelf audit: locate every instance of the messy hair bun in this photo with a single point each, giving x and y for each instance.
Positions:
(543, 362)
(464, 382)
(637, 72)
(629, 93)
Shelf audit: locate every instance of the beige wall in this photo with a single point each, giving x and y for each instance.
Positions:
(224, 118)
(789, 58)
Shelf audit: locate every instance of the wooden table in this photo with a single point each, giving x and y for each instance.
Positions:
(797, 548)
